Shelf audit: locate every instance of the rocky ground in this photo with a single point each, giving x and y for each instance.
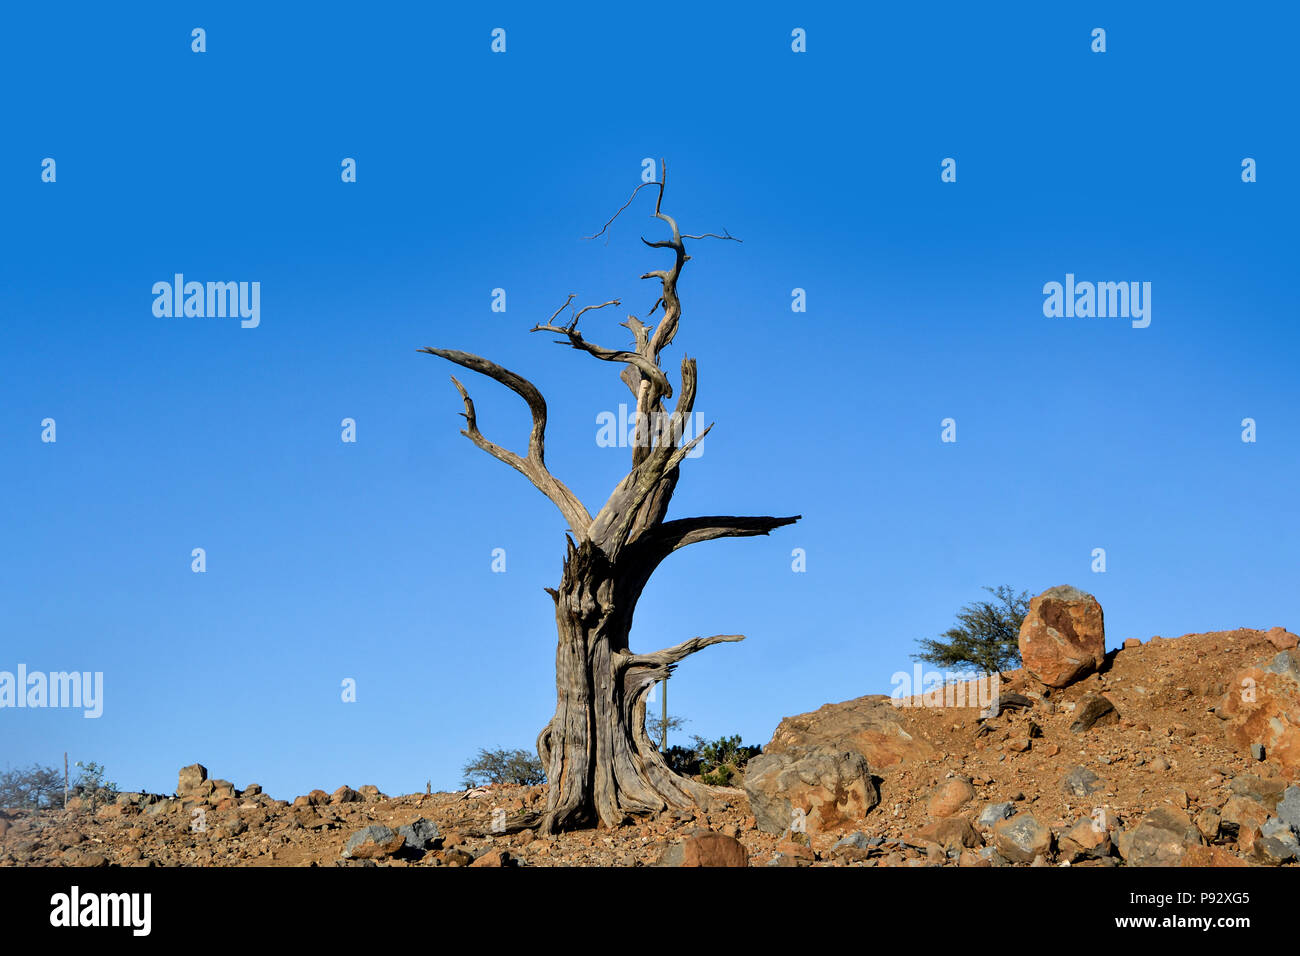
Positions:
(1148, 761)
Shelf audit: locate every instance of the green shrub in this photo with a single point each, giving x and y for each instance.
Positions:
(716, 762)
(986, 636)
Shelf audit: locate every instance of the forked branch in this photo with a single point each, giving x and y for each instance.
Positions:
(640, 362)
(533, 465)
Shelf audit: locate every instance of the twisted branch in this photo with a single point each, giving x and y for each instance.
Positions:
(532, 466)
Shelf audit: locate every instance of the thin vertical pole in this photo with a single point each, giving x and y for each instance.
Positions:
(663, 744)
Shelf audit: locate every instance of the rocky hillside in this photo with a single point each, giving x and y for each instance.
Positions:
(1183, 751)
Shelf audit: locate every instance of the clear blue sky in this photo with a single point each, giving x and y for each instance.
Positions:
(476, 171)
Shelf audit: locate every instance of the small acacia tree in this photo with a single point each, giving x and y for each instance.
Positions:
(986, 636)
(503, 766)
(32, 787)
(600, 762)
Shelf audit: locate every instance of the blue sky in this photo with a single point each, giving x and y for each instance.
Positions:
(476, 171)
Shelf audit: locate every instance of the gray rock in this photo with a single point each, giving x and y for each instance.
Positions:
(1022, 838)
(372, 841)
(1287, 664)
(1275, 851)
(991, 854)
(856, 841)
(418, 834)
(834, 786)
(1082, 782)
(1281, 830)
(1288, 809)
(993, 812)
(1257, 751)
(1160, 839)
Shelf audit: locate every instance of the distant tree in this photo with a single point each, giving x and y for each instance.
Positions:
(986, 637)
(658, 726)
(90, 784)
(504, 766)
(30, 788)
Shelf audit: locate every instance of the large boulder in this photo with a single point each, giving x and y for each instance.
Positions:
(191, 778)
(1063, 637)
(1262, 708)
(833, 787)
(873, 726)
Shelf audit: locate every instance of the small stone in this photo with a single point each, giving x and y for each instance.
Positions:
(1087, 839)
(950, 796)
(1082, 782)
(1093, 709)
(994, 812)
(1207, 821)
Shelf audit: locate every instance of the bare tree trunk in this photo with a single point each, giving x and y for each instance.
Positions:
(599, 758)
(601, 764)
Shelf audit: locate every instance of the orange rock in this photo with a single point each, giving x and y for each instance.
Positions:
(950, 796)
(1282, 639)
(870, 725)
(950, 833)
(1063, 637)
(1262, 706)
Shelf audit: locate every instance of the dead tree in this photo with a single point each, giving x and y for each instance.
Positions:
(600, 762)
